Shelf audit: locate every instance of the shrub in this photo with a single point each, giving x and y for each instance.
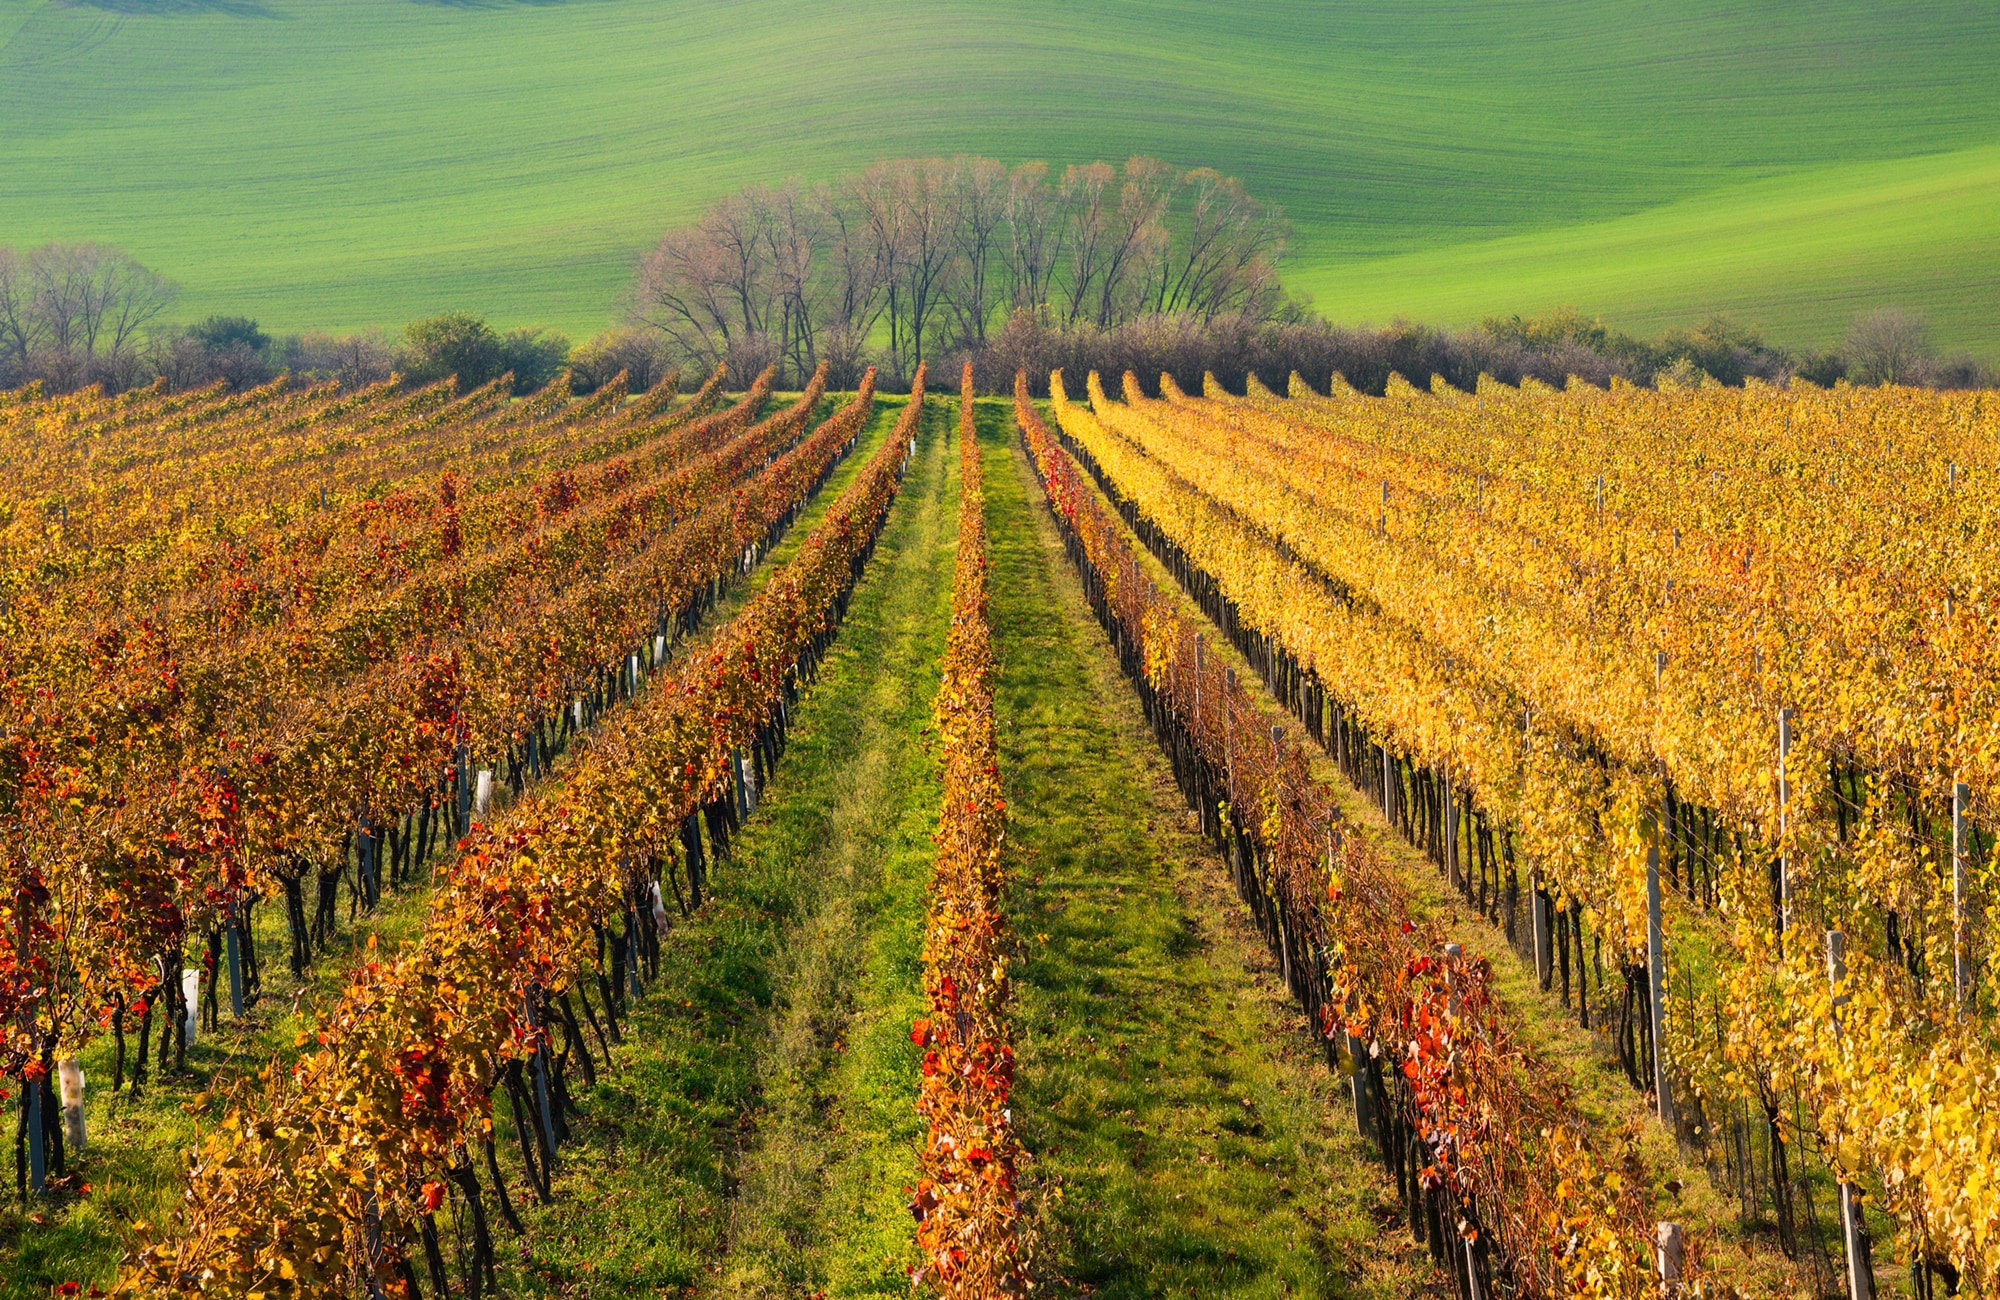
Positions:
(1888, 346)
(639, 354)
(456, 343)
(535, 356)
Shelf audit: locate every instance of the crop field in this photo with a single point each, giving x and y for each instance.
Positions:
(1139, 843)
(323, 166)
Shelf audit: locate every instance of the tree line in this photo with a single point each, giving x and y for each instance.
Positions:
(77, 314)
(1143, 267)
(1887, 345)
(931, 256)
(72, 314)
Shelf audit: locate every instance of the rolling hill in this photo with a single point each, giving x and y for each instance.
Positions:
(341, 165)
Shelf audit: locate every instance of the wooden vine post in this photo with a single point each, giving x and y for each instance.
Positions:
(231, 935)
(69, 1078)
(1656, 974)
(1229, 735)
(1961, 862)
(1538, 907)
(1539, 903)
(1357, 1081)
(1450, 829)
(1854, 1229)
(1784, 899)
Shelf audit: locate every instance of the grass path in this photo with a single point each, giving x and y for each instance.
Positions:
(757, 1132)
(821, 1203)
(759, 1138)
(1188, 1139)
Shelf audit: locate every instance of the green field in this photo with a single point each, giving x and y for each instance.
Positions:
(342, 165)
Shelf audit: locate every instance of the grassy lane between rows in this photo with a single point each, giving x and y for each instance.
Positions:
(757, 1131)
(1188, 1138)
(825, 1174)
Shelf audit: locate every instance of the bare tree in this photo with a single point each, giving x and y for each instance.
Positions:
(93, 300)
(929, 248)
(1085, 199)
(795, 236)
(738, 229)
(925, 192)
(1036, 236)
(878, 198)
(129, 299)
(1889, 346)
(1134, 235)
(853, 297)
(1226, 259)
(703, 286)
(20, 330)
(979, 193)
(72, 314)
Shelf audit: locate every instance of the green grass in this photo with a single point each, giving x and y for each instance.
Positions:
(757, 1129)
(1802, 253)
(821, 1179)
(1187, 1138)
(321, 165)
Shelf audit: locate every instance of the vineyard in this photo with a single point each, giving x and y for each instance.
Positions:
(1515, 842)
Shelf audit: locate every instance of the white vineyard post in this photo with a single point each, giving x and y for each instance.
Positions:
(69, 1075)
(1961, 861)
(1363, 1114)
(1656, 955)
(482, 795)
(190, 1002)
(1854, 1230)
(1672, 1253)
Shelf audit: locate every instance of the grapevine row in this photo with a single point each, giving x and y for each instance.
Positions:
(967, 1202)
